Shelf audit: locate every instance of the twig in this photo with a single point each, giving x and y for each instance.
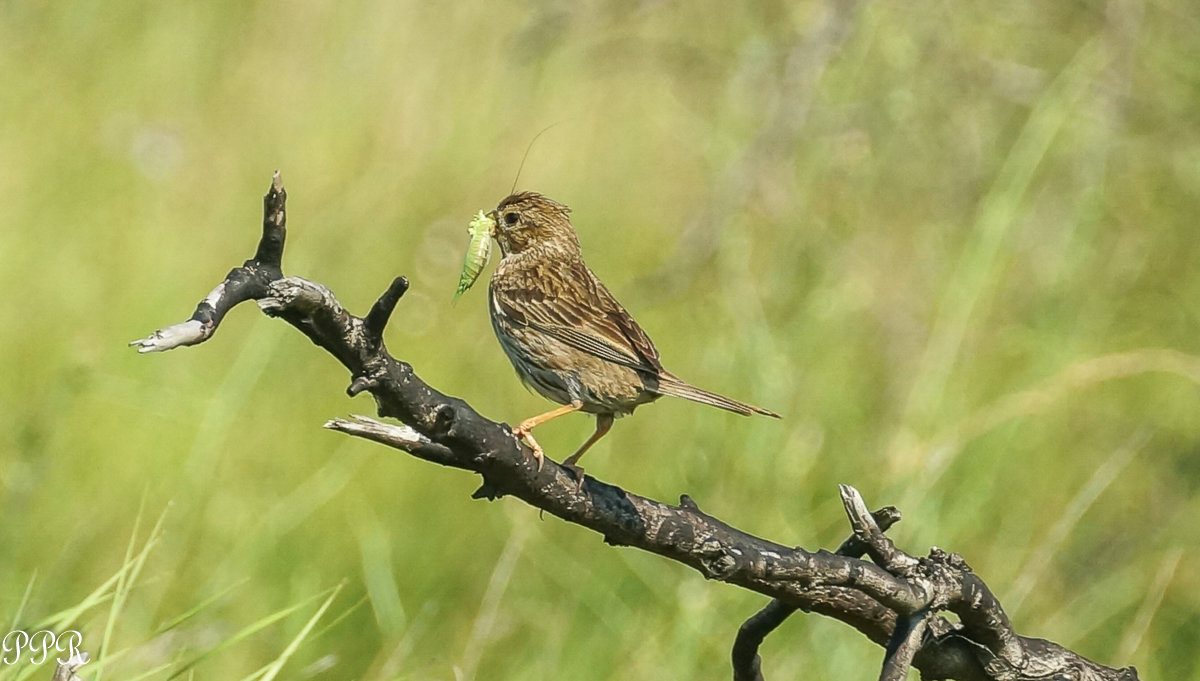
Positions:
(65, 671)
(241, 284)
(747, 666)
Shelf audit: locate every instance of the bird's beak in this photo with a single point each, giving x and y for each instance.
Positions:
(495, 218)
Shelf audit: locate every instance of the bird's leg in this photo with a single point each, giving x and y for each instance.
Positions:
(522, 430)
(603, 423)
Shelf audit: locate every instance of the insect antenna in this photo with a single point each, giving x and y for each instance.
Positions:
(526, 155)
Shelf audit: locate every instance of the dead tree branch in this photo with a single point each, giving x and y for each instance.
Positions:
(893, 598)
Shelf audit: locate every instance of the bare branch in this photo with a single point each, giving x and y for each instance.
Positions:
(903, 646)
(747, 666)
(393, 435)
(65, 671)
(874, 542)
(241, 284)
(892, 600)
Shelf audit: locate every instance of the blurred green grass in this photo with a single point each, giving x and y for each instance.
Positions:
(951, 244)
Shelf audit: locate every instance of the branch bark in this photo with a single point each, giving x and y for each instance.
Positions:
(893, 598)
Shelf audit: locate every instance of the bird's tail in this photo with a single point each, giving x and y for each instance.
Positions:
(669, 384)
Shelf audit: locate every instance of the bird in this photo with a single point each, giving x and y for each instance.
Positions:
(566, 335)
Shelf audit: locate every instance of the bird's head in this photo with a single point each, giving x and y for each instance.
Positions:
(528, 220)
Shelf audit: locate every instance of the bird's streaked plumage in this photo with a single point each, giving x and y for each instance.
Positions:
(565, 333)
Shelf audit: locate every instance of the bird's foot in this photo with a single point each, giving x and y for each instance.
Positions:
(522, 432)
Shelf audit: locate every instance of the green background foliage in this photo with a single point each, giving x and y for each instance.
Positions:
(953, 244)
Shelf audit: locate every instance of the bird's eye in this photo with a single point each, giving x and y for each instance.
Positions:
(511, 219)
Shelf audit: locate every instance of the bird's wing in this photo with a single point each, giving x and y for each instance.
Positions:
(569, 304)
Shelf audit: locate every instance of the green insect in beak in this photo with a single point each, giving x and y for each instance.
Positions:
(479, 250)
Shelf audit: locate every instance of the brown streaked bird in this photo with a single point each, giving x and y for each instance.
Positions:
(565, 334)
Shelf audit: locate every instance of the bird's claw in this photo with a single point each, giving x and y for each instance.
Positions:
(523, 433)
